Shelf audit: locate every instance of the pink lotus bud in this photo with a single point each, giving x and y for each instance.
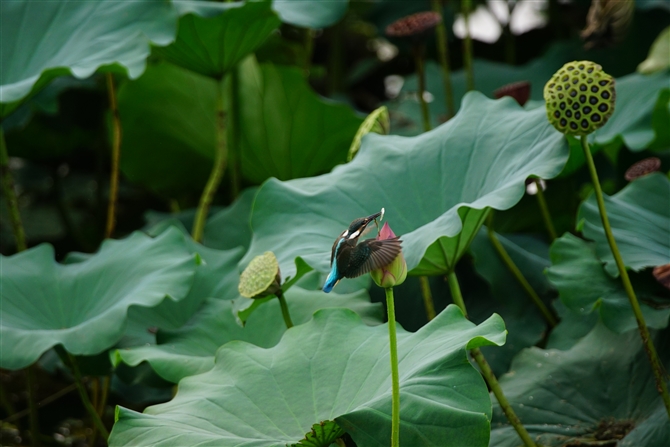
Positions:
(395, 273)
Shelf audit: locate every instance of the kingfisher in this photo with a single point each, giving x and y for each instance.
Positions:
(350, 259)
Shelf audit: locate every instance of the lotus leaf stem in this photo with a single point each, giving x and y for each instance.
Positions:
(467, 46)
(10, 195)
(656, 366)
(545, 211)
(491, 379)
(419, 49)
(85, 399)
(101, 401)
(427, 297)
(116, 155)
(106, 383)
(234, 132)
(395, 380)
(217, 170)
(32, 406)
(516, 272)
(456, 294)
(443, 56)
(284, 310)
(487, 372)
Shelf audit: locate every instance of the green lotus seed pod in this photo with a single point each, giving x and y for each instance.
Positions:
(580, 98)
(261, 278)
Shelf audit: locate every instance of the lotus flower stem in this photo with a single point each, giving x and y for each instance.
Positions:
(456, 294)
(84, 397)
(443, 56)
(217, 170)
(487, 372)
(116, 155)
(656, 366)
(512, 267)
(395, 380)
(467, 46)
(10, 195)
(32, 406)
(419, 49)
(427, 297)
(284, 310)
(545, 211)
(493, 383)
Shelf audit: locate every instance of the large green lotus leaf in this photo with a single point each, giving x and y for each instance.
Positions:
(443, 254)
(286, 130)
(230, 227)
(213, 37)
(478, 159)
(584, 286)
(310, 14)
(158, 221)
(640, 218)
(573, 327)
(41, 41)
(333, 368)
(83, 306)
(169, 132)
(190, 350)
(217, 277)
(226, 228)
(570, 397)
(525, 324)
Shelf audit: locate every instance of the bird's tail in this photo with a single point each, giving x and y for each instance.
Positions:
(331, 281)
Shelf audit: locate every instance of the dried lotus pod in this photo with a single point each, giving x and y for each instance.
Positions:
(517, 90)
(414, 25)
(261, 278)
(579, 98)
(642, 168)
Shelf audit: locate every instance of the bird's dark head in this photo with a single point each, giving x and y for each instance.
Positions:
(358, 226)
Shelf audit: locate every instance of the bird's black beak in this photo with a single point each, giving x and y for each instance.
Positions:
(372, 217)
(368, 220)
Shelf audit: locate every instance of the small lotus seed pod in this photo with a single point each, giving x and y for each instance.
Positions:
(414, 25)
(517, 90)
(642, 168)
(579, 98)
(261, 278)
